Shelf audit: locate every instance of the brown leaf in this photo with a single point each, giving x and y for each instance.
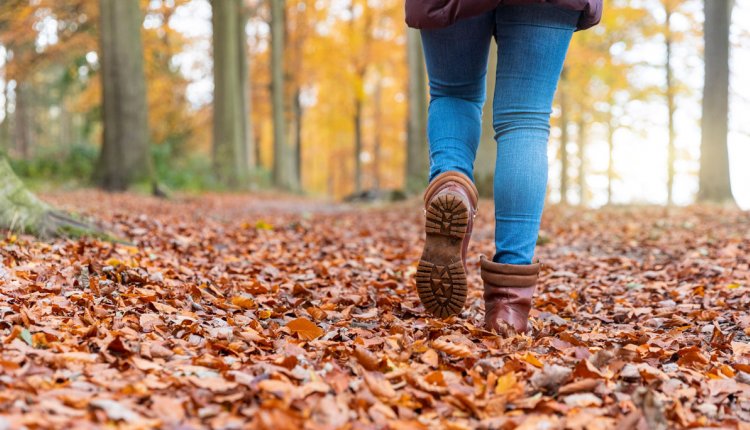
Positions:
(305, 329)
(587, 384)
(450, 348)
(584, 369)
(367, 359)
(379, 386)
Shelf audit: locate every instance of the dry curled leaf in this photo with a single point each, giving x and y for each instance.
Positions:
(450, 348)
(379, 385)
(367, 359)
(200, 318)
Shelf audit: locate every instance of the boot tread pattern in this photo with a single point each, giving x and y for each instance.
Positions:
(441, 279)
(442, 289)
(447, 215)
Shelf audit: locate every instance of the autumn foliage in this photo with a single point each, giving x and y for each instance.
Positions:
(236, 312)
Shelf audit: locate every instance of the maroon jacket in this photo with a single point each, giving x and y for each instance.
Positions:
(442, 13)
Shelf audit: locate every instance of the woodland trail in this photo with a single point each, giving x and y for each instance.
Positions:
(254, 311)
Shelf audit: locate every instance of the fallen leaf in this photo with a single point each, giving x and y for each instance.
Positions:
(305, 329)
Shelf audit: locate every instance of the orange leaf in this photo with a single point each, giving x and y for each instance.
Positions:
(305, 329)
(243, 301)
(532, 360)
(506, 383)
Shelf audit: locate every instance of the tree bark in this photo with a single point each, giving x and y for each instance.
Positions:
(284, 176)
(357, 119)
(21, 211)
(299, 114)
(714, 183)
(5, 138)
(417, 153)
(23, 121)
(231, 153)
(378, 138)
(125, 156)
(611, 151)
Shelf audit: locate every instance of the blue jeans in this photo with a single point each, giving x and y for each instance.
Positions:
(532, 43)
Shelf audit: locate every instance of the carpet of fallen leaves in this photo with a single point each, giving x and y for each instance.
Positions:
(237, 311)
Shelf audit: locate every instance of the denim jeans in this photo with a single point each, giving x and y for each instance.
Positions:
(532, 43)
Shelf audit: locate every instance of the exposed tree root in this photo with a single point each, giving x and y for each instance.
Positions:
(22, 211)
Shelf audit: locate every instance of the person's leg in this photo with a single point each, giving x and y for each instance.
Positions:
(456, 59)
(532, 43)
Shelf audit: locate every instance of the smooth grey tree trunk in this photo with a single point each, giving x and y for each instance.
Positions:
(417, 153)
(231, 153)
(378, 138)
(484, 166)
(284, 176)
(357, 119)
(125, 156)
(244, 75)
(299, 113)
(294, 57)
(714, 183)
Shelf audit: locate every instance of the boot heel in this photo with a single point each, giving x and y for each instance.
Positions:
(447, 215)
(442, 289)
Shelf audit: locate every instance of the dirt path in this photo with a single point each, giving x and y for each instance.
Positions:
(252, 312)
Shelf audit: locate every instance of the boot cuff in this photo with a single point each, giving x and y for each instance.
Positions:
(509, 275)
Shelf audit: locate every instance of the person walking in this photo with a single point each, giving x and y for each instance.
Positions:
(532, 38)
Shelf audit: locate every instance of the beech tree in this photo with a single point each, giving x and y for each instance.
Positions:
(284, 176)
(124, 157)
(714, 185)
(231, 139)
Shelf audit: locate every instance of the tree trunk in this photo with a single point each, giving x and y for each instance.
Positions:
(298, 117)
(564, 139)
(611, 148)
(23, 121)
(284, 176)
(417, 154)
(22, 211)
(5, 139)
(378, 138)
(484, 166)
(357, 143)
(714, 184)
(125, 156)
(670, 103)
(230, 125)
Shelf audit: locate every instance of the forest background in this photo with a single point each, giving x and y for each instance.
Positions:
(328, 98)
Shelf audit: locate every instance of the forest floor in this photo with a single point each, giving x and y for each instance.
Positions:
(237, 311)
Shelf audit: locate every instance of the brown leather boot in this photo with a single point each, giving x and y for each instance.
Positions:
(508, 290)
(450, 206)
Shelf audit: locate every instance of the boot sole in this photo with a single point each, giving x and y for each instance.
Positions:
(441, 279)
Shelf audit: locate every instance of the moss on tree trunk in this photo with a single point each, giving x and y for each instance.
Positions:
(22, 211)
